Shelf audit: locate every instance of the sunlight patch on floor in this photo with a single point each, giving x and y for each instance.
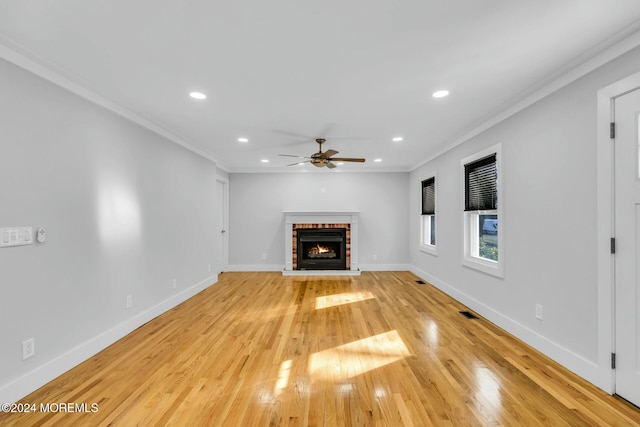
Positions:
(432, 334)
(341, 299)
(358, 357)
(283, 377)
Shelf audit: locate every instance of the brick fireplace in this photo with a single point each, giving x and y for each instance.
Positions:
(330, 223)
(343, 255)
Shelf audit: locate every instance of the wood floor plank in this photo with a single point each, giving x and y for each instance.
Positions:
(260, 349)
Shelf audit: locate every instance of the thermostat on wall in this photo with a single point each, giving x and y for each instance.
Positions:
(41, 235)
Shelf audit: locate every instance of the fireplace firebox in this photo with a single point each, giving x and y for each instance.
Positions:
(322, 249)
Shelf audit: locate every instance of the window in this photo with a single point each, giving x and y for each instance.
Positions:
(483, 248)
(428, 218)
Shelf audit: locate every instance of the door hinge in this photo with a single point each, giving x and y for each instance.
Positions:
(613, 361)
(612, 130)
(613, 245)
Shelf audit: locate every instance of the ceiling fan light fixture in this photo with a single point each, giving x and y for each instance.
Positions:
(440, 93)
(198, 95)
(324, 158)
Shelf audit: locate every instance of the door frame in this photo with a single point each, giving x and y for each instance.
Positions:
(224, 257)
(605, 227)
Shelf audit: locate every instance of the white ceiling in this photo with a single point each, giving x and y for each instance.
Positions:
(284, 72)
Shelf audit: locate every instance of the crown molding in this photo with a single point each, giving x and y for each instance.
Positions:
(294, 170)
(599, 55)
(29, 61)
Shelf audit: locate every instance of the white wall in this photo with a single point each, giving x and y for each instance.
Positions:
(257, 223)
(549, 224)
(125, 210)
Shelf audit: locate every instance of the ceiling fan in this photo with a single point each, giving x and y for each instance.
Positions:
(321, 159)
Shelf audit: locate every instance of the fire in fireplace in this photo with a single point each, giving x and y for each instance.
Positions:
(322, 249)
(319, 251)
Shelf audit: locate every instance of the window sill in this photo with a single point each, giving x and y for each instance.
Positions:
(428, 249)
(486, 266)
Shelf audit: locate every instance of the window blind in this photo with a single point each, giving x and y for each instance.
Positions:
(481, 184)
(429, 196)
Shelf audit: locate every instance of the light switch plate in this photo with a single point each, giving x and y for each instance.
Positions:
(16, 236)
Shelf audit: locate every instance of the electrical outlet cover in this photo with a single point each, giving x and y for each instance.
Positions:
(28, 348)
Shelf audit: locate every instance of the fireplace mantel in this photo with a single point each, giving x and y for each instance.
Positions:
(320, 217)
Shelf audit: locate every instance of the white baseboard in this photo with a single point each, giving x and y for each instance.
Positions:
(280, 267)
(385, 267)
(254, 267)
(31, 381)
(567, 358)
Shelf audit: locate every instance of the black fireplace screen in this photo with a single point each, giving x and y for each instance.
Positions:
(322, 249)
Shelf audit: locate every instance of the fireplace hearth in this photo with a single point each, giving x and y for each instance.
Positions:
(321, 249)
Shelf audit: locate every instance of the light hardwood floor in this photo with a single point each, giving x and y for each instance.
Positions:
(259, 349)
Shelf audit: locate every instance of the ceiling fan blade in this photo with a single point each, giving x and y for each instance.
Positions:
(293, 134)
(346, 159)
(331, 165)
(328, 154)
(345, 138)
(297, 163)
(291, 155)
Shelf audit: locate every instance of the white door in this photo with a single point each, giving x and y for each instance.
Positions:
(221, 226)
(627, 258)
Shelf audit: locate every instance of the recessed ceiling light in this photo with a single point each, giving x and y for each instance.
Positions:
(243, 139)
(440, 93)
(198, 95)
(397, 139)
(377, 160)
(264, 161)
(301, 163)
(340, 163)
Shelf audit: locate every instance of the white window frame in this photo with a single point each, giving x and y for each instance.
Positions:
(470, 233)
(425, 219)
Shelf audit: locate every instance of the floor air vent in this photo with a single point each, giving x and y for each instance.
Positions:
(468, 315)
(420, 282)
